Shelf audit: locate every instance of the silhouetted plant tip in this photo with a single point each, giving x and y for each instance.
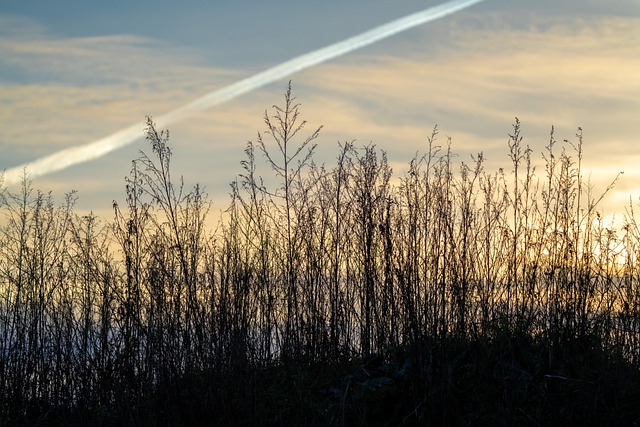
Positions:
(331, 295)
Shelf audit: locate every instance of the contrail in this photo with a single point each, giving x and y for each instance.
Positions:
(83, 153)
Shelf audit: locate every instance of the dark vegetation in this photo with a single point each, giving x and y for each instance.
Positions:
(456, 296)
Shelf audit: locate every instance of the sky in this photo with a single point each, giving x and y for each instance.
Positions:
(72, 72)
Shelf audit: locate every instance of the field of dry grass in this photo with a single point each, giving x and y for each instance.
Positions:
(334, 297)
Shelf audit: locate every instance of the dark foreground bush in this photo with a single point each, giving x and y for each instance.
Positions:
(504, 381)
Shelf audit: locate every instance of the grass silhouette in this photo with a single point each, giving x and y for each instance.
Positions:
(333, 297)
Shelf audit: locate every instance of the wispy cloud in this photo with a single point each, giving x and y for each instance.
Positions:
(90, 151)
(578, 71)
(58, 92)
(569, 73)
(498, 71)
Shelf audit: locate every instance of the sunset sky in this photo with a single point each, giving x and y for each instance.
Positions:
(72, 72)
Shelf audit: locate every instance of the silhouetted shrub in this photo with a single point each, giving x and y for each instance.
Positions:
(334, 297)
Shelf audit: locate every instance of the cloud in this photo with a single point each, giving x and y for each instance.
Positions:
(494, 71)
(499, 71)
(60, 92)
(80, 154)
(118, 58)
(487, 68)
(562, 73)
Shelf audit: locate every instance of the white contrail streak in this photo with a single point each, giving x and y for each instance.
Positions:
(83, 153)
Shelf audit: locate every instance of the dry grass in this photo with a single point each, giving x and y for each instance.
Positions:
(493, 289)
